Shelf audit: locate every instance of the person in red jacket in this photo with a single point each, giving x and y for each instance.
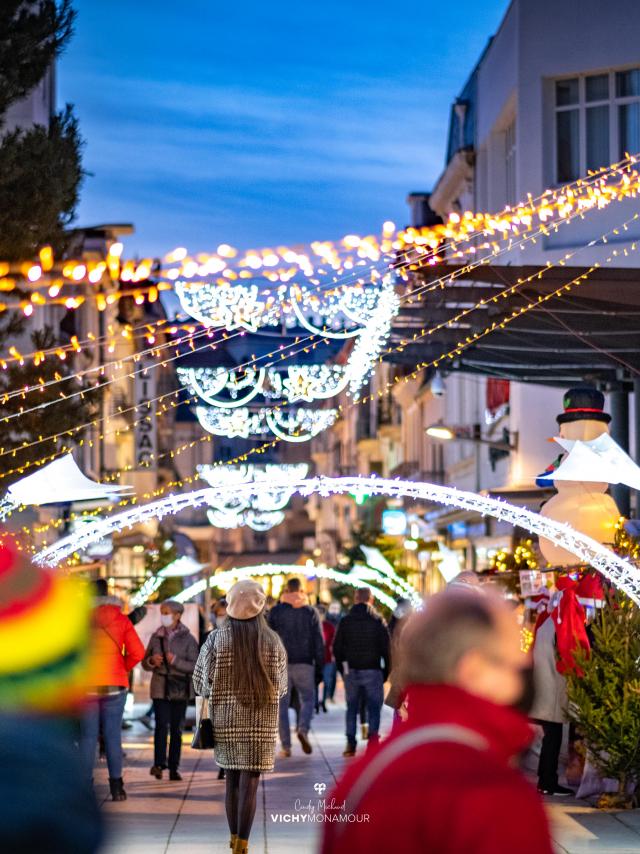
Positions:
(444, 781)
(116, 650)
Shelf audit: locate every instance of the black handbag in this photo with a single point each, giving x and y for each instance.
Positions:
(203, 736)
(176, 687)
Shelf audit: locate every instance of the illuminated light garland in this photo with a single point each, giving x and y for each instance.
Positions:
(293, 383)
(457, 350)
(619, 571)
(224, 580)
(135, 500)
(550, 208)
(266, 496)
(369, 345)
(376, 560)
(498, 324)
(297, 425)
(260, 510)
(258, 521)
(435, 362)
(441, 283)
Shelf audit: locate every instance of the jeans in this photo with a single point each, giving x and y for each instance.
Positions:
(549, 755)
(169, 716)
(369, 683)
(329, 678)
(104, 714)
(302, 677)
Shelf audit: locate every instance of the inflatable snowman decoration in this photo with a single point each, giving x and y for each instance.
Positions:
(583, 504)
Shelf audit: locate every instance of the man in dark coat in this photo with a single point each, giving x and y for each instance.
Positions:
(361, 651)
(298, 626)
(445, 780)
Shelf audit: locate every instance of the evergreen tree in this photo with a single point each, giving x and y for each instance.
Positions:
(605, 701)
(32, 34)
(40, 177)
(40, 167)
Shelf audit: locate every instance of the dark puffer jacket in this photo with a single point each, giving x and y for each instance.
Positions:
(299, 629)
(362, 640)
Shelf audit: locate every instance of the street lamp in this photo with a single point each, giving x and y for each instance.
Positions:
(471, 434)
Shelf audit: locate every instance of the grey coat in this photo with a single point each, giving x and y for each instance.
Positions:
(245, 738)
(185, 648)
(550, 700)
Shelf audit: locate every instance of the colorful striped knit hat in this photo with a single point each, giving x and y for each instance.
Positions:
(44, 635)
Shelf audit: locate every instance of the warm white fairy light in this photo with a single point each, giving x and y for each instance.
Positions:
(618, 570)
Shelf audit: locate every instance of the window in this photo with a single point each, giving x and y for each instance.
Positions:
(597, 120)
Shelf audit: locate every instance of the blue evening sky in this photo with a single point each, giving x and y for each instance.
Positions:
(259, 124)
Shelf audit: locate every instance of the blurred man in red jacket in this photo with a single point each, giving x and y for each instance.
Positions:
(444, 782)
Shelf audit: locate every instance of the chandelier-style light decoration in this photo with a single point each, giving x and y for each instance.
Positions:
(334, 313)
(288, 384)
(261, 509)
(291, 425)
(619, 571)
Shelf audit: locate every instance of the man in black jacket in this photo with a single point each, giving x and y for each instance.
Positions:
(361, 650)
(298, 625)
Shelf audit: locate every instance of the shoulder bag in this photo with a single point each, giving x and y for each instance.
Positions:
(176, 687)
(203, 736)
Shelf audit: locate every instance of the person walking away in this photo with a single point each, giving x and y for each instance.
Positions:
(448, 771)
(329, 667)
(298, 626)
(242, 671)
(116, 650)
(361, 651)
(171, 656)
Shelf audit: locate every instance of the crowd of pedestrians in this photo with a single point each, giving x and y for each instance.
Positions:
(457, 682)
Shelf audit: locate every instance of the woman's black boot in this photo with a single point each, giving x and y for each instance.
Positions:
(117, 789)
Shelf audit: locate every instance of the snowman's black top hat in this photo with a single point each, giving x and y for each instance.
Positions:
(583, 403)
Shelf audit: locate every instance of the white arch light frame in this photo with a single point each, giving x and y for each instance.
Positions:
(616, 569)
(222, 579)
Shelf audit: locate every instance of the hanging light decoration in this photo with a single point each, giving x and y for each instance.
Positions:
(260, 509)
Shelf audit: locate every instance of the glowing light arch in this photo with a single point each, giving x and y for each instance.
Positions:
(230, 576)
(619, 571)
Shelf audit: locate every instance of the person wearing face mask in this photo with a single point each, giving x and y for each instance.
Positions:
(171, 657)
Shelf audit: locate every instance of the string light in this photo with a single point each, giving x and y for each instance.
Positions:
(616, 569)
(460, 346)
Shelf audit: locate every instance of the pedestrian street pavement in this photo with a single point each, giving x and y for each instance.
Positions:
(161, 817)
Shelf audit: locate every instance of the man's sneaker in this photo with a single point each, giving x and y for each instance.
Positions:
(350, 750)
(558, 790)
(176, 776)
(156, 771)
(304, 741)
(285, 752)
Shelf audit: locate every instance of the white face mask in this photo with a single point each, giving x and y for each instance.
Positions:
(166, 620)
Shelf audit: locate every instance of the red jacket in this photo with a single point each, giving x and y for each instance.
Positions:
(443, 798)
(328, 634)
(116, 646)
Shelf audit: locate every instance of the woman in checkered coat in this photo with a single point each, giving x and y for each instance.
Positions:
(242, 671)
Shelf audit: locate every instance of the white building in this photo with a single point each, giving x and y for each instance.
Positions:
(556, 93)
